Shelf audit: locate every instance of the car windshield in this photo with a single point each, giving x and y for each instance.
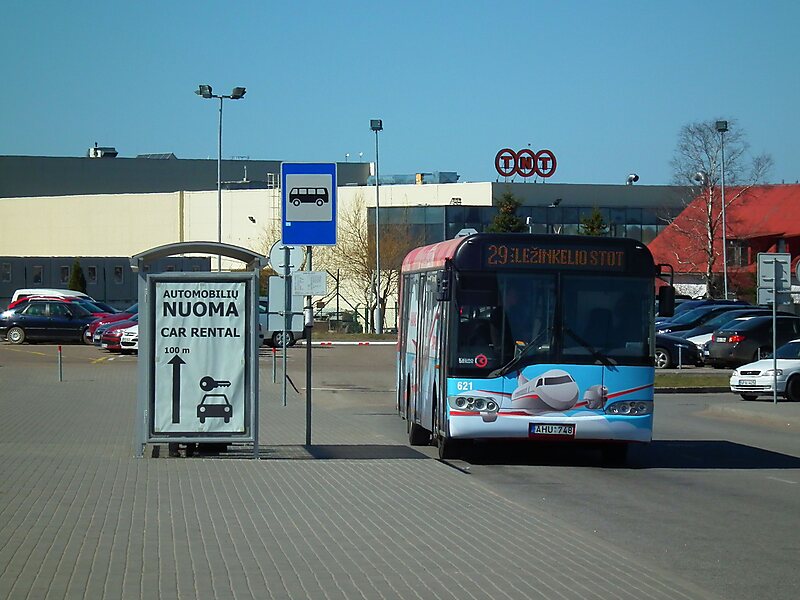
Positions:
(726, 317)
(91, 307)
(691, 316)
(790, 350)
(133, 308)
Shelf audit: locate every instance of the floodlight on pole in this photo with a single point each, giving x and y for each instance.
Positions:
(722, 127)
(205, 91)
(376, 125)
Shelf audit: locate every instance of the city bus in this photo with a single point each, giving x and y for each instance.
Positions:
(528, 336)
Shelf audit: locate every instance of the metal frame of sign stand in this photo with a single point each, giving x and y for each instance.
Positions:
(139, 263)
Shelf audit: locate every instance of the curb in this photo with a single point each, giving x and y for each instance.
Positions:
(331, 343)
(692, 390)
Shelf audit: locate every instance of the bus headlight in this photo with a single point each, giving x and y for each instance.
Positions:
(473, 404)
(630, 408)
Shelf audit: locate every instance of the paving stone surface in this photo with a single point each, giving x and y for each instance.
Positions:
(355, 516)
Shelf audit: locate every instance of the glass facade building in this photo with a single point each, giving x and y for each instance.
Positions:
(430, 224)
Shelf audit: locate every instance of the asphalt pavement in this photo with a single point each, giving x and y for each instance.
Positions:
(355, 515)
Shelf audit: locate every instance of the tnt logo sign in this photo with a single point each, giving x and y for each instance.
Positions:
(525, 163)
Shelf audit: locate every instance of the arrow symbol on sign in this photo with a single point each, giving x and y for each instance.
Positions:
(176, 363)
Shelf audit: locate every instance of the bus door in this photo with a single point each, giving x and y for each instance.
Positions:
(429, 349)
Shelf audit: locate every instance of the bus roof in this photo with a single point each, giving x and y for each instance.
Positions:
(534, 250)
(432, 256)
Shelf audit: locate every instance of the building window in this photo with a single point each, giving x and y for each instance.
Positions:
(37, 273)
(738, 253)
(5, 272)
(91, 274)
(63, 275)
(118, 275)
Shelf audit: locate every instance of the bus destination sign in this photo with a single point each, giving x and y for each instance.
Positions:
(522, 255)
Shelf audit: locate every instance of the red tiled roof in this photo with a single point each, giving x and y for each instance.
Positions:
(765, 212)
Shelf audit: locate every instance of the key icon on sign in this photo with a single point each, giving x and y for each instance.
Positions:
(209, 383)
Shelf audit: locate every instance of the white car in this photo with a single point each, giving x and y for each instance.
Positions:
(756, 379)
(129, 342)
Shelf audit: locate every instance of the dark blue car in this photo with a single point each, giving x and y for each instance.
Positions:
(45, 321)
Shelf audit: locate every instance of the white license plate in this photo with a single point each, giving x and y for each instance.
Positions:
(104, 345)
(721, 339)
(552, 430)
(748, 382)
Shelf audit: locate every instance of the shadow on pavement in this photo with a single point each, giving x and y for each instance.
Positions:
(301, 452)
(660, 454)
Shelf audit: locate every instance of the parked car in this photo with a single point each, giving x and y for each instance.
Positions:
(120, 316)
(274, 337)
(749, 340)
(91, 306)
(693, 318)
(721, 319)
(111, 336)
(106, 337)
(688, 305)
(129, 342)
(45, 321)
(52, 292)
(756, 379)
(672, 350)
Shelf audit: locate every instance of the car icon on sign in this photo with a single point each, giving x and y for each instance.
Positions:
(214, 406)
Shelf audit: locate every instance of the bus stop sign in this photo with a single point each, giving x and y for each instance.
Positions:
(308, 204)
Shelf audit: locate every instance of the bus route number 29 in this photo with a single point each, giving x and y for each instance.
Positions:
(464, 386)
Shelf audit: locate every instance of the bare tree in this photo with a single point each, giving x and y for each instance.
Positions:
(698, 162)
(354, 256)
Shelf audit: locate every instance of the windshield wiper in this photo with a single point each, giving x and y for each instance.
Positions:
(518, 357)
(592, 350)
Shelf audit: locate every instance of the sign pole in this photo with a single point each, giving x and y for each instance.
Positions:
(775, 274)
(287, 308)
(309, 327)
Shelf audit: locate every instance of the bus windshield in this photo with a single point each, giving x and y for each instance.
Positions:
(534, 318)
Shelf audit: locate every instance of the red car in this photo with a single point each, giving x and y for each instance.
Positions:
(122, 316)
(112, 335)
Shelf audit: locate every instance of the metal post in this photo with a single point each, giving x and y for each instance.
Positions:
(309, 327)
(775, 275)
(722, 127)
(60, 369)
(287, 311)
(219, 187)
(379, 326)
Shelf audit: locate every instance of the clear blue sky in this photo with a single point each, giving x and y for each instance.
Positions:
(605, 85)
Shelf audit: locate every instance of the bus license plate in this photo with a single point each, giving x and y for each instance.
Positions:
(747, 382)
(552, 430)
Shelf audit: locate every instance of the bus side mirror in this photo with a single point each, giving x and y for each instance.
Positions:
(443, 286)
(666, 301)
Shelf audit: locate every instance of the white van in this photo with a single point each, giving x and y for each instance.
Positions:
(55, 293)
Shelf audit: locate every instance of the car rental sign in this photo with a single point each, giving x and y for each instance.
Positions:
(200, 345)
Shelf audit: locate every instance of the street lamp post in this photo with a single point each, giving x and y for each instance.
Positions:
(722, 127)
(376, 125)
(237, 94)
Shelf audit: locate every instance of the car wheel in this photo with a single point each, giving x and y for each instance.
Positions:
(277, 339)
(793, 389)
(449, 448)
(663, 360)
(748, 397)
(16, 335)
